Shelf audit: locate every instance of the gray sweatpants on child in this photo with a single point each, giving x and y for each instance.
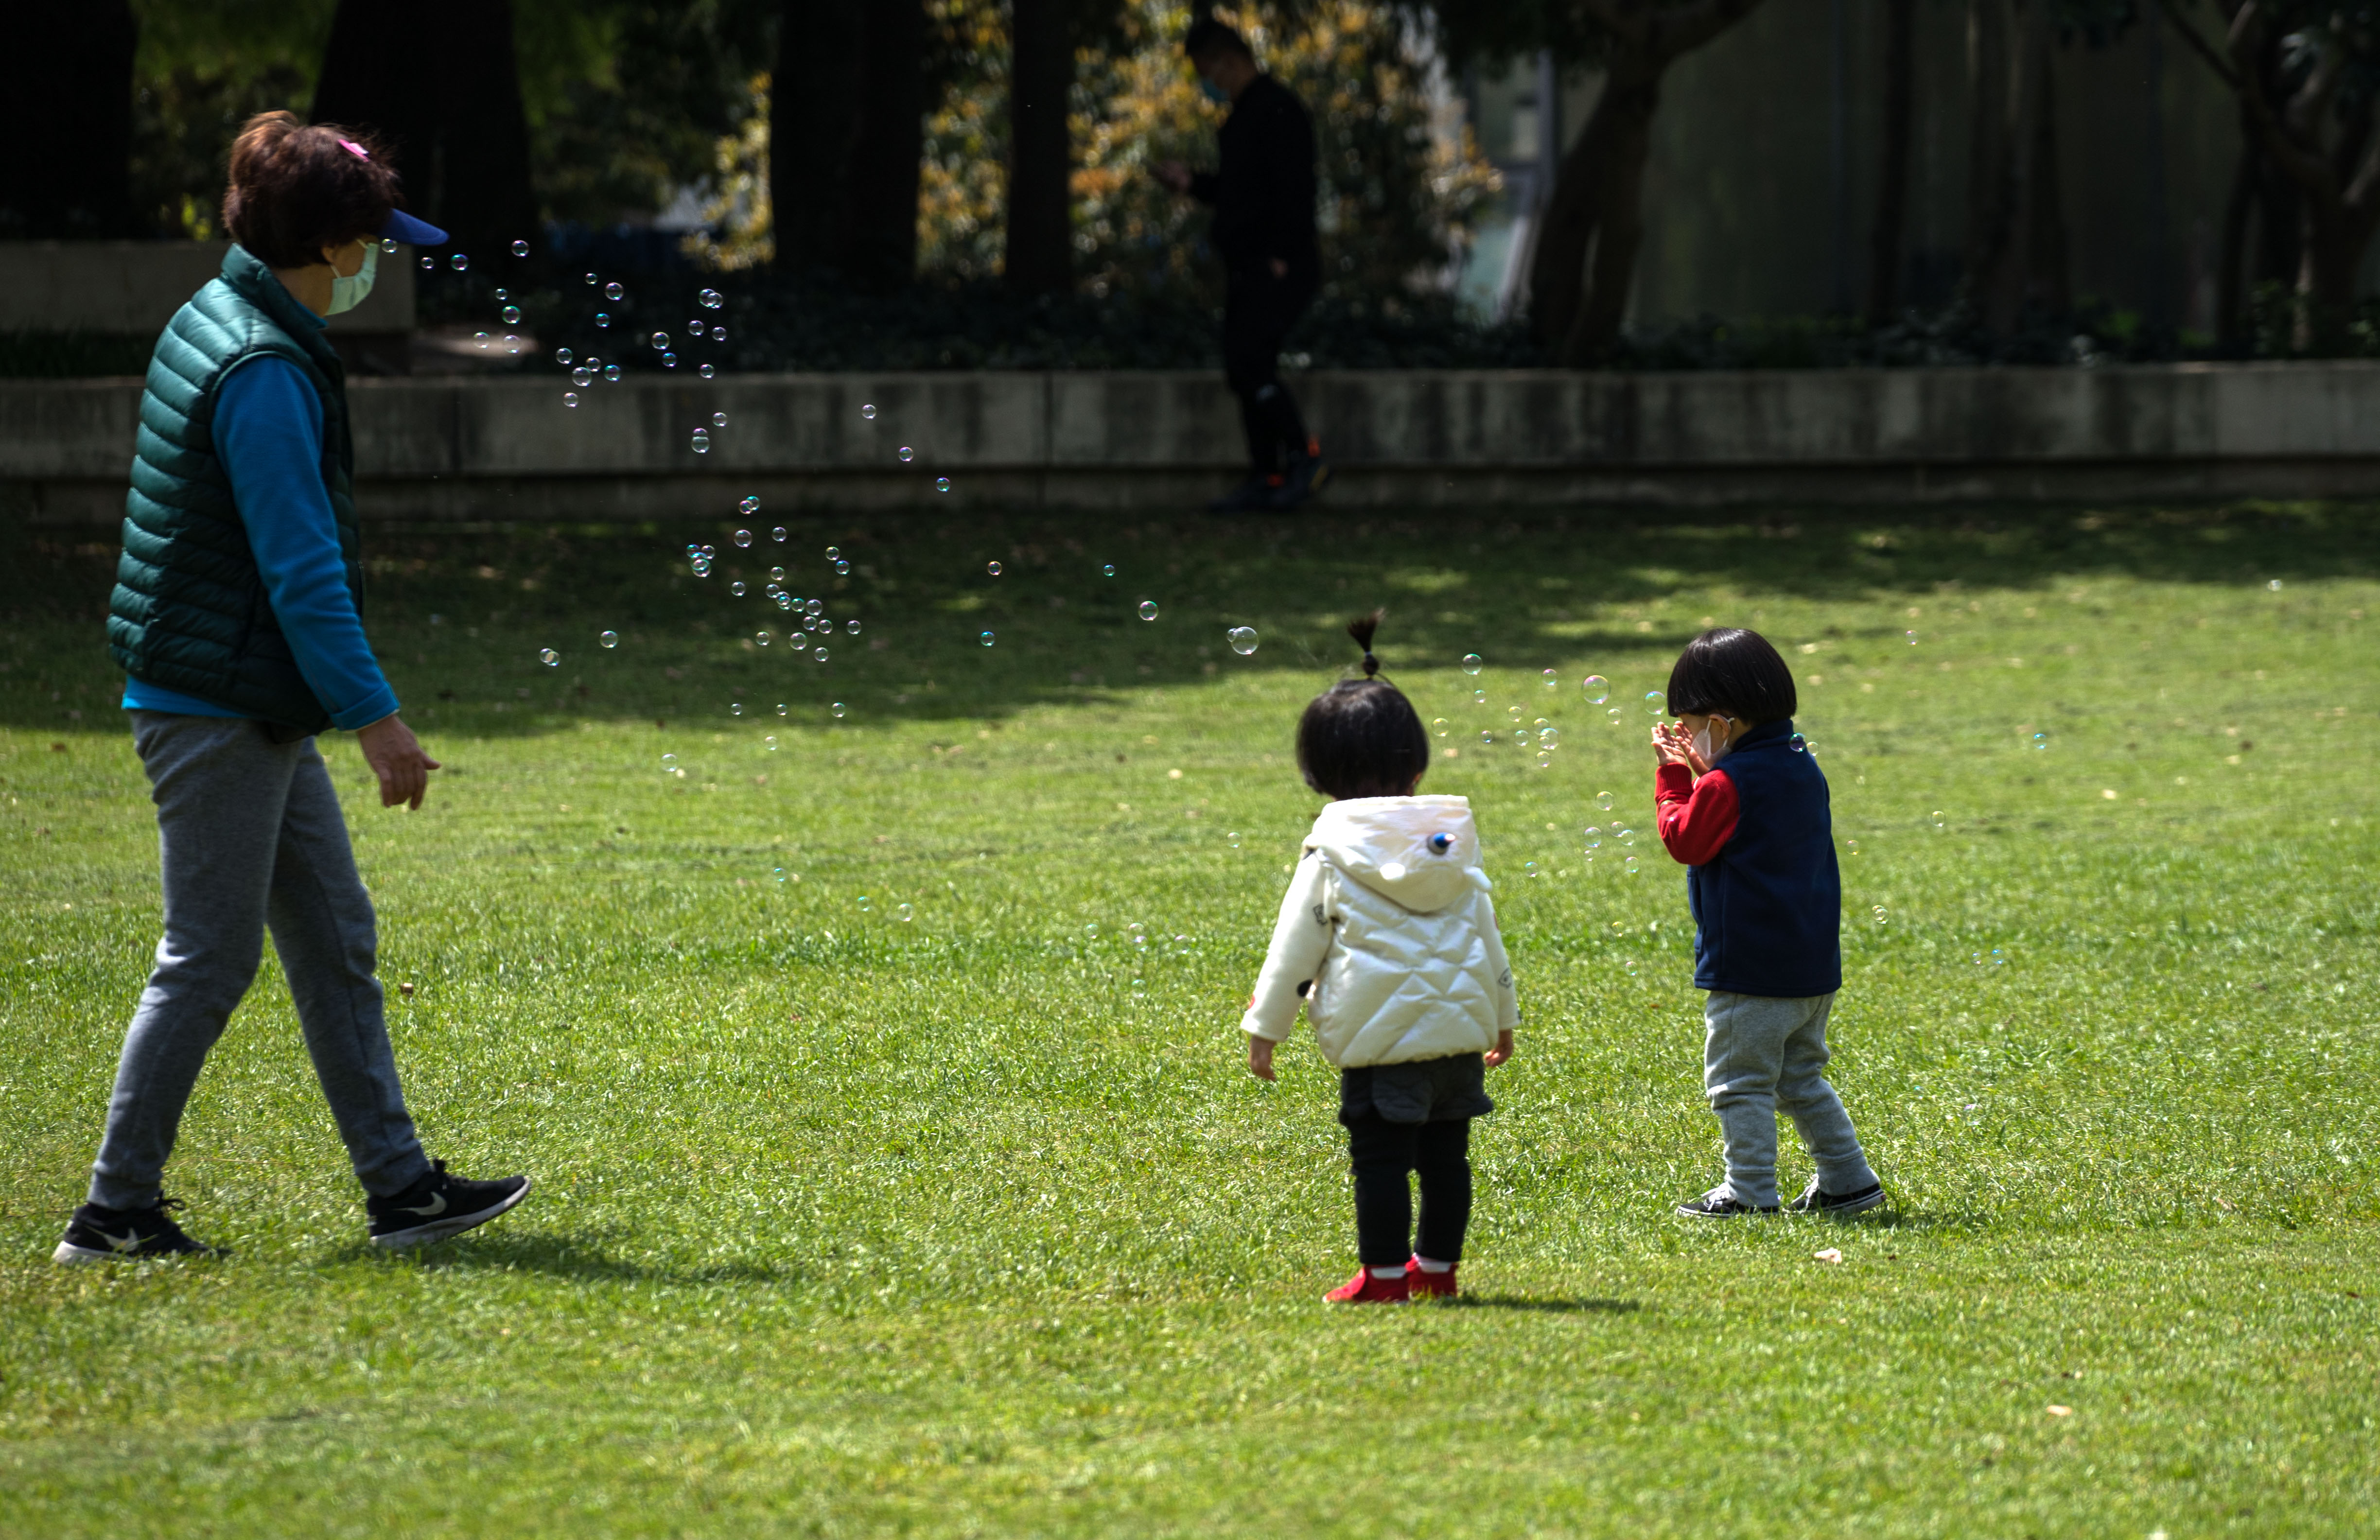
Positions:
(251, 836)
(1763, 1056)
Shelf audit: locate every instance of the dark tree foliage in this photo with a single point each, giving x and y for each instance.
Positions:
(66, 120)
(846, 128)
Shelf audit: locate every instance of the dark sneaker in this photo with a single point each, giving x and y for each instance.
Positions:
(1813, 1201)
(439, 1205)
(1719, 1203)
(97, 1234)
(1309, 473)
(1254, 495)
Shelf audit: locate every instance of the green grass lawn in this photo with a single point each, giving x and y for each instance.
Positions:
(898, 1171)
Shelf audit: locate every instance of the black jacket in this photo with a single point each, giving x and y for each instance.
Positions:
(1263, 193)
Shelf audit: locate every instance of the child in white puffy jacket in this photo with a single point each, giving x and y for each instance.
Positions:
(1388, 936)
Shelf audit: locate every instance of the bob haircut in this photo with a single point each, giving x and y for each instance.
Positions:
(295, 189)
(1362, 738)
(1733, 672)
(1208, 37)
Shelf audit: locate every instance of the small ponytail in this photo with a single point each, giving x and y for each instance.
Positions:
(1362, 631)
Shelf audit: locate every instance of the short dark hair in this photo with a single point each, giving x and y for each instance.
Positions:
(1734, 672)
(1208, 37)
(1362, 738)
(295, 189)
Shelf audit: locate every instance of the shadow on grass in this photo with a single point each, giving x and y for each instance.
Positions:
(579, 1258)
(460, 618)
(1543, 1306)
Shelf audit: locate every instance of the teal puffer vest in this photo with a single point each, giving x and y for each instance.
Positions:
(189, 611)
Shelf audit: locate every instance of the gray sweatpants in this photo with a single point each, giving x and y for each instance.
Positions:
(1761, 1056)
(251, 834)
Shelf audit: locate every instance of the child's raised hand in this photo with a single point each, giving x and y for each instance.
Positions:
(1672, 747)
(1502, 1051)
(1260, 1057)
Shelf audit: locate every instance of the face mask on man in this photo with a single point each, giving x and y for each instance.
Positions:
(1716, 737)
(349, 293)
(1214, 92)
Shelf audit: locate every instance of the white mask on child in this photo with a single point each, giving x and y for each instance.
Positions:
(1703, 748)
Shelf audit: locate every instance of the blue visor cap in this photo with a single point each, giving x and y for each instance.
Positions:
(405, 228)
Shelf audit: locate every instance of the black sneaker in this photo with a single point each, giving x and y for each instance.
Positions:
(1254, 495)
(1813, 1201)
(1719, 1203)
(439, 1205)
(1309, 473)
(99, 1234)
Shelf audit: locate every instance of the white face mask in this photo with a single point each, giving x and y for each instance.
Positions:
(1712, 756)
(349, 293)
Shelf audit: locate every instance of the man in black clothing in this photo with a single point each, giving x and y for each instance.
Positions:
(1263, 194)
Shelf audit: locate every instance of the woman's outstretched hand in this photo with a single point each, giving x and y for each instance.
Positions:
(397, 757)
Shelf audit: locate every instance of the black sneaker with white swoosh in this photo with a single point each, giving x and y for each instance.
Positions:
(101, 1234)
(439, 1205)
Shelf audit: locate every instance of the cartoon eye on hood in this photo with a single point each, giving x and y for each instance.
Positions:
(1440, 844)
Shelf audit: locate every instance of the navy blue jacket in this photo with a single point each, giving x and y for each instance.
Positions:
(1768, 908)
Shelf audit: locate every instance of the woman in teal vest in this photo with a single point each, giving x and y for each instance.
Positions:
(235, 619)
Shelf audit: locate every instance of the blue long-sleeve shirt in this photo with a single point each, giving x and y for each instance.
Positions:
(268, 433)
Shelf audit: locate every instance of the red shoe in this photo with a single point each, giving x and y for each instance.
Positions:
(1420, 1284)
(1363, 1289)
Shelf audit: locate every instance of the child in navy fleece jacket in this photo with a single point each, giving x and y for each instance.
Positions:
(1767, 905)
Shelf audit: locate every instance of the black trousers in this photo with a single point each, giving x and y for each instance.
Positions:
(1384, 1153)
(1258, 310)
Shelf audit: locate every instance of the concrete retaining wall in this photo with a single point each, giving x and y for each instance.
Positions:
(510, 449)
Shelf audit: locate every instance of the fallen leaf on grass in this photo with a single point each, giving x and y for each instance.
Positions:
(2061, 1411)
(1830, 1255)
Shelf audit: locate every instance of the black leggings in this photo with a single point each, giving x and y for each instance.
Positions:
(1383, 1153)
(1258, 310)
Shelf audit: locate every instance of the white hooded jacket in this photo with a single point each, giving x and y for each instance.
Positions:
(1389, 922)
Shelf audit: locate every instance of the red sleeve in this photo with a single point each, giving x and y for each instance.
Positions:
(1697, 818)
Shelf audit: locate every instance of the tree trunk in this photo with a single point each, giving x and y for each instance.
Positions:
(2013, 283)
(2231, 270)
(1619, 226)
(66, 120)
(1892, 179)
(879, 247)
(2047, 282)
(1989, 207)
(813, 124)
(438, 83)
(2337, 230)
(1041, 257)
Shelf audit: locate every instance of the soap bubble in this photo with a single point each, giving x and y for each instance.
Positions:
(1234, 839)
(743, 538)
(1593, 838)
(763, 637)
(1551, 678)
(1487, 737)
(669, 763)
(1629, 866)
(942, 483)
(771, 742)
(1879, 914)
(706, 372)
(549, 657)
(818, 654)
(1149, 609)
(614, 291)
(694, 328)
(701, 441)
(1520, 736)
(1913, 638)
(429, 264)
(388, 246)
(2274, 585)
(459, 262)
(867, 411)
(1479, 697)
(512, 314)
(709, 299)
(992, 567)
(1513, 712)
(833, 552)
(2041, 740)
(718, 334)
(1531, 870)
(570, 398)
(734, 707)
(816, 607)
(1655, 703)
(736, 588)
(1612, 714)
(838, 710)
(776, 574)
(521, 249)
(719, 419)
(1243, 639)
(591, 280)
(906, 913)
(987, 638)
(1603, 800)
(904, 455)
(561, 355)
(1547, 737)
(669, 361)
(863, 904)
(1108, 571)
(1438, 725)
(1471, 662)
(784, 600)
(582, 377)
(661, 340)
(778, 534)
(1797, 743)
(603, 320)
(851, 627)
(612, 372)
